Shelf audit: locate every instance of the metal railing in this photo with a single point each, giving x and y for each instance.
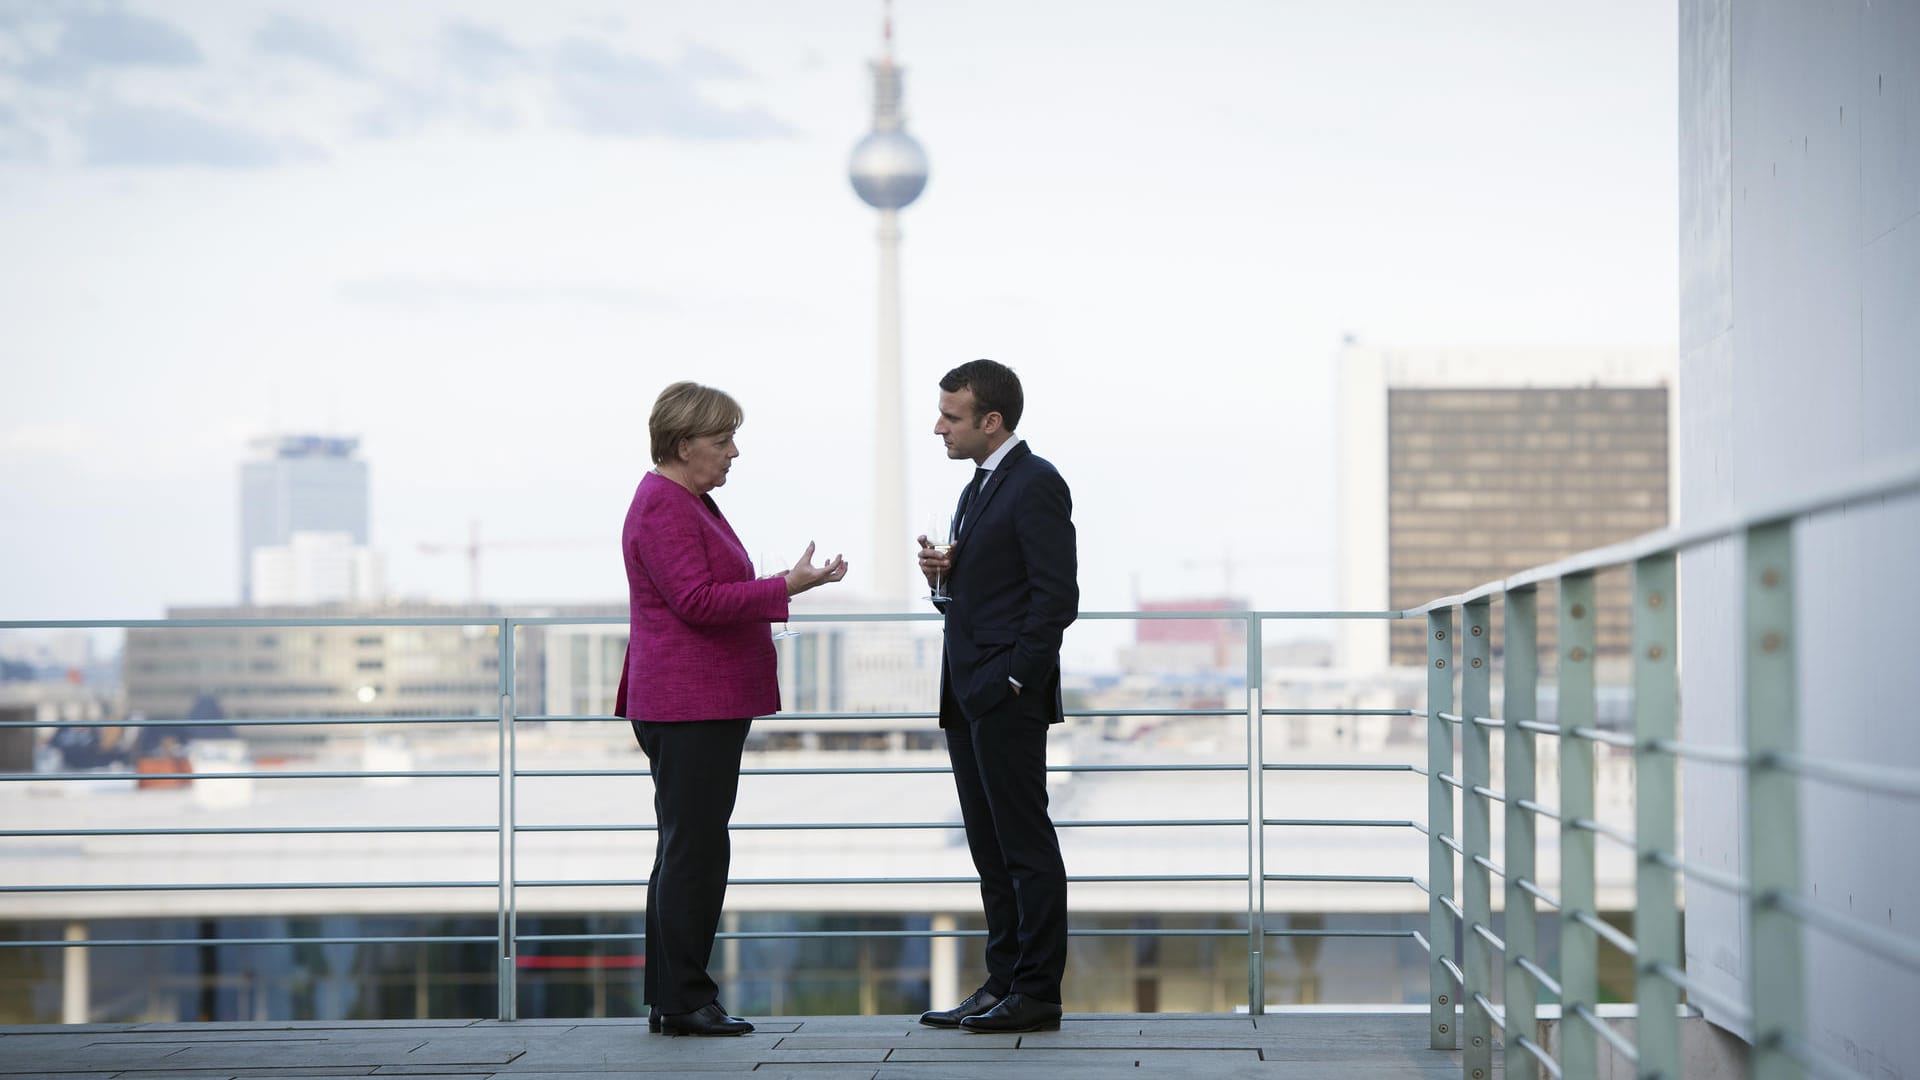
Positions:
(508, 828)
(1467, 970)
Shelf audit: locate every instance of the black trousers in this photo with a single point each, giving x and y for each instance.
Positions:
(1000, 769)
(696, 776)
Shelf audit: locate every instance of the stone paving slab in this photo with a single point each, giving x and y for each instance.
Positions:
(1306, 1046)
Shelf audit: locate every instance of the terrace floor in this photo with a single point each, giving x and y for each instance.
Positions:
(1305, 1045)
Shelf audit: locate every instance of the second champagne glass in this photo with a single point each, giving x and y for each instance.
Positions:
(773, 569)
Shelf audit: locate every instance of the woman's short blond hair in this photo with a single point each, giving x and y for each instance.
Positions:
(687, 410)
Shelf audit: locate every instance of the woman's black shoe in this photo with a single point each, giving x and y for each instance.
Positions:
(709, 1019)
(653, 1018)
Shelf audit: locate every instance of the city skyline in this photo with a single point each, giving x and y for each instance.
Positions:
(481, 239)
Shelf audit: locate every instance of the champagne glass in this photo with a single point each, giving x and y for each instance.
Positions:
(771, 568)
(939, 527)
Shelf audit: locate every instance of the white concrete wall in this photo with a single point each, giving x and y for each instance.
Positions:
(1800, 359)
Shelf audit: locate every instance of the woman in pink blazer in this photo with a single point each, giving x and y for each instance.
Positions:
(700, 666)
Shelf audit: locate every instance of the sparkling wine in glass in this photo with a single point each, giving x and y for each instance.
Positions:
(940, 527)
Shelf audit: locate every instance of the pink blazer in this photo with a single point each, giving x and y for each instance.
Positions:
(701, 647)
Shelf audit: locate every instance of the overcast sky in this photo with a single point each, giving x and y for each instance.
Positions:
(483, 235)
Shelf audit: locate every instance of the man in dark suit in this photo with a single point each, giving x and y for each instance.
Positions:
(1011, 581)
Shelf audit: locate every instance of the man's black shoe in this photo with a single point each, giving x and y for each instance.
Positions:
(977, 1002)
(653, 1018)
(1017, 1012)
(709, 1019)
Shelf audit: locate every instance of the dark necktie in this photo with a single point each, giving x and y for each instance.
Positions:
(966, 500)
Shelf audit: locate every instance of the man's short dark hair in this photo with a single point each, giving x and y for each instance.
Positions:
(995, 389)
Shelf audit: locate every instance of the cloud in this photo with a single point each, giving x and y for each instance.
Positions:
(417, 292)
(286, 36)
(110, 39)
(149, 137)
(624, 95)
(477, 52)
(700, 62)
(19, 142)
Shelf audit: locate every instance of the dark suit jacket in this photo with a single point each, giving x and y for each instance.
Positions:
(1014, 583)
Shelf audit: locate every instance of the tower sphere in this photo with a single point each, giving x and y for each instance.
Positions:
(889, 169)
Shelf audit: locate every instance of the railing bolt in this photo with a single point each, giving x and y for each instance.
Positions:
(1579, 611)
(1476, 631)
(1439, 663)
(1439, 635)
(1443, 1029)
(1479, 1074)
(1476, 1040)
(1770, 642)
(1770, 577)
(1655, 652)
(1476, 661)
(1443, 1001)
(1577, 654)
(1654, 599)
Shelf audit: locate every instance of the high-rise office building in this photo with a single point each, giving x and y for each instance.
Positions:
(299, 484)
(1461, 468)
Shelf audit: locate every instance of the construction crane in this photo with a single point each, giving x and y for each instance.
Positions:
(474, 546)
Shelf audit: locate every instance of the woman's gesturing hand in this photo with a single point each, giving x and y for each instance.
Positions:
(805, 575)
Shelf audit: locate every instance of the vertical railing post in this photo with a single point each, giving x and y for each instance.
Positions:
(1656, 716)
(1773, 832)
(1256, 827)
(1520, 679)
(1441, 1034)
(508, 915)
(1476, 826)
(1579, 946)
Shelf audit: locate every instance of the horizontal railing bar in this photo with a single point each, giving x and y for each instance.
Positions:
(882, 770)
(1540, 1055)
(1489, 937)
(1613, 937)
(1489, 865)
(1537, 893)
(273, 830)
(1420, 939)
(1356, 823)
(1539, 974)
(446, 774)
(1328, 767)
(1448, 778)
(209, 943)
(1896, 947)
(1452, 843)
(1618, 1041)
(1735, 1010)
(856, 826)
(1453, 969)
(1488, 793)
(1539, 727)
(1357, 879)
(1812, 1058)
(1170, 712)
(1611, 738)
(1421, 884)
(221, 624)
(1888, 780)
(1710, 755)
(1421, 713)
(930, 933)
(288, 721)
(1487, 1006)
(1096, 879)
(1608, 831)
(1896, 476)
(1722, 881)
(258, 886)
(1451, 718)
(1488, 722)
(1535, 808)
(1453, 906)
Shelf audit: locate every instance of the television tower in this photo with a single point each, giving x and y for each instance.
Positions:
(889, 170)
